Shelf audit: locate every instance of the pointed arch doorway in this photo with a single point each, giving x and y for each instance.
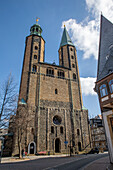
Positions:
(57, 145)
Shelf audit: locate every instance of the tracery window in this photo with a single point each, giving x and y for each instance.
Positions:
(103, 90)
(111, 85)
(50, 72)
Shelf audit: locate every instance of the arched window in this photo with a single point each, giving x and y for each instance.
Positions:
(74, 76)
(72, 57)
(78, 133)
(71, 49)
(37, 29)
(103, 90)
(56, 91)
(61, 129)
(52, 129)
(60, 74)
(73, 65)
(35, 56)
(36, 48)
(111, 85)
(34, 68)
(50, 72)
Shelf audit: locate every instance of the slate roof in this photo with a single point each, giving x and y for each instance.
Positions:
(66, 40)
(105, 57)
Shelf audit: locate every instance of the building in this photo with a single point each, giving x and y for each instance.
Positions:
(98, 133)
(50, 97)
(104, 83)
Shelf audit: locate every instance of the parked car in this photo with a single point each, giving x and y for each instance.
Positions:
(94, 150)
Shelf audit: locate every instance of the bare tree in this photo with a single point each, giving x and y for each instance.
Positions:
(8, 101)
(21, 125)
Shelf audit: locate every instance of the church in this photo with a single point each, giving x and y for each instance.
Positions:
(52, 99)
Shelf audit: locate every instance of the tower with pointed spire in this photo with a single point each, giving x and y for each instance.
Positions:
(104, 82)
(52, 96)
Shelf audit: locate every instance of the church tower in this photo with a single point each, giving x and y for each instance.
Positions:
(34, 53)
(52, 96)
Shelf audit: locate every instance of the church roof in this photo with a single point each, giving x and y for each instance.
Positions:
(66, 40)
(105, 57)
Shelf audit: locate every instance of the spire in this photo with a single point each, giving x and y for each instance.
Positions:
(105, 44)
(36, 29)
(66, 40)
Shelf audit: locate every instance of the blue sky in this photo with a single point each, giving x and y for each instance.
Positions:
(81, 18)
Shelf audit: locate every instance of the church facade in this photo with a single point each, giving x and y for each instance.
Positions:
(52, 96)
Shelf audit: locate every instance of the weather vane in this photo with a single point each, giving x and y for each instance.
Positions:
(37, 19)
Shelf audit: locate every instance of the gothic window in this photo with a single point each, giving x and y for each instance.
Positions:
(34, 68)
(61, 129)
(103, 90)
(60, 74)
(50, 72)
(78, 133)
(36, 48)
(111, 85)
(52, 129)
(73, 65)
(74, 76)
(35, 56)
(57, 120)
(56, 91)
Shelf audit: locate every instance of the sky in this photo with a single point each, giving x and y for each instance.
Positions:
(82, 20)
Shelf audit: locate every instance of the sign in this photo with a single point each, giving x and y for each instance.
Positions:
(66, 142)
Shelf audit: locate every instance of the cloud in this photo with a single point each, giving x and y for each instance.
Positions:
(85, 35)
(87, 85)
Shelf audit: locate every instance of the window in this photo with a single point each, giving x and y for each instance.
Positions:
(61, 129)
(35, 56)
(36, 48)
(72, 57)
(50, 72)
(74, 76)
(57, 120)
(34, 68)
(111, 85)
(60, 74)
(56, 91)
(71, 49)
(37, 29)
(73, 65)
(78, 133)
(103, 90)
(52, 129)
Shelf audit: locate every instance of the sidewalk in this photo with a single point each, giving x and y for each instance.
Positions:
(100, 164)
(27, 158)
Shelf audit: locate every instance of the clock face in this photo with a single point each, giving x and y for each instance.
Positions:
(57, 120)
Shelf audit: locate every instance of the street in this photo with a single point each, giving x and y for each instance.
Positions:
(59, 163)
